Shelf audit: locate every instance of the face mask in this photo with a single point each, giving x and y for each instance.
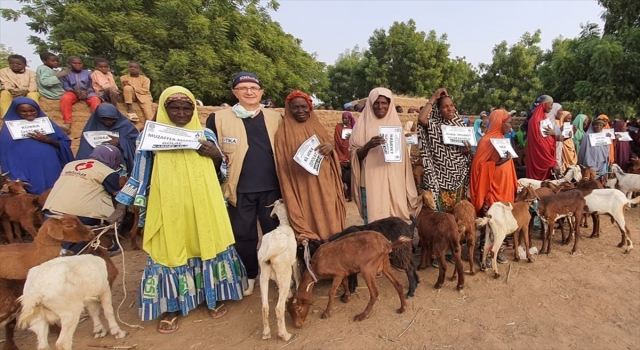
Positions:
(241, 112)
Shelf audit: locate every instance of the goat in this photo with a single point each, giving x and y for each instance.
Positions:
(277, 259)
(633, 167)
(572, 174)
(401, 258)
(18, 258)
(501, 222)
(551, 208)
(20, 210)
(465, 215)
(627, 183)
(59, 290)
(337, 260)
(439, 232)
(418, 172)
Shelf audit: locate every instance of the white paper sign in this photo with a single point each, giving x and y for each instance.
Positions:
(20, 129)
(503, 146)
(161, 137)
(97, 138)
(610, 132)
(308, 157)
(624, 136)
(599, 139)
(567, 129)
(633, 129)
(392, 146)
(345, 133)
(544, 125)
(455, 135)
(412, 139)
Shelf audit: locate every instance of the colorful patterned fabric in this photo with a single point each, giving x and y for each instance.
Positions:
(170, 289)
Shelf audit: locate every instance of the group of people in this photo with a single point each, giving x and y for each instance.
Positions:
(73, 84)
(550, 151)
(200, 209)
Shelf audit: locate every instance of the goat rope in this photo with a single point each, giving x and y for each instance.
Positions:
(95, 243)
(307, 259)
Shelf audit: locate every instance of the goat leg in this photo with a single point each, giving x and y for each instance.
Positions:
(442, 270)
(412, 276)
(456, 251)
(346, 296)
(337, 281)
(386, 269)
(9, 331)
(369, 277)
(596, 225)
(8, 231)
(265, 272)
(353, 283)
(17, 231)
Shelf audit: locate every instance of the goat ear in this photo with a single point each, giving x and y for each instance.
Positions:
(55, 229)
(271, 206)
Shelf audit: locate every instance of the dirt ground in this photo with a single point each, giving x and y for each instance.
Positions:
(590, 300)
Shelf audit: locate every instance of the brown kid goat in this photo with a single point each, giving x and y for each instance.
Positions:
(336, 260)
(20, 210)
(439, 232)
(18, 258)
(564, 204)
(465, 215)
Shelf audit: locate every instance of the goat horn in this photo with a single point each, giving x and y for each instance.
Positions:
(5, 174)
(309, 285)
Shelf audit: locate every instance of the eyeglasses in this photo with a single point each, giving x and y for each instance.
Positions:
(245, 89)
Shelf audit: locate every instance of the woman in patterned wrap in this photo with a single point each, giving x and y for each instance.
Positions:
(446, 167)
(187, 231)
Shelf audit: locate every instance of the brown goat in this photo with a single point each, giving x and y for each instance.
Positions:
(10, 291)
(564, 204)
(465, 214)
(522, 215)
(18, 258)
(418, 172)
(336, 260)
(439, 232)
(633, 167)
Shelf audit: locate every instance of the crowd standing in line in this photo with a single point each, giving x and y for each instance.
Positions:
(201, 208)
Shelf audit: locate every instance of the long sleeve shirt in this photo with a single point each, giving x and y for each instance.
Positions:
(141, 85)
(11, 80)
(76, 82)
(101, 81)
(49, 86)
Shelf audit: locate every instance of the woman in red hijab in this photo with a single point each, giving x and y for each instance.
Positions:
(541, 145)
(493, 177)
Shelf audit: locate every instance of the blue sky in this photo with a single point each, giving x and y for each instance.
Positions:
(328, 27)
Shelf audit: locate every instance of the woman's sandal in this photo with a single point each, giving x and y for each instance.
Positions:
(173, 326)
(133, 117)
(218, 312)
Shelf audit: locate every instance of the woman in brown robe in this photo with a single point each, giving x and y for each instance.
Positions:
(315, 203)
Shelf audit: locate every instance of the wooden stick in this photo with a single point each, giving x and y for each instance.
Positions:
(414, 319)
(508, 273)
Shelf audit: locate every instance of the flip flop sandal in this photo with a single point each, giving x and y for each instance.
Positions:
(218, 312)
(133, 117)
(170, 323)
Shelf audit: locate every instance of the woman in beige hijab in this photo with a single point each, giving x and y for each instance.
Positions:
(386, 188)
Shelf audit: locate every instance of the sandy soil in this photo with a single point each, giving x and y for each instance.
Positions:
(590, 300)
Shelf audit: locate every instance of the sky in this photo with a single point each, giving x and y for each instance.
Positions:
(328, 28)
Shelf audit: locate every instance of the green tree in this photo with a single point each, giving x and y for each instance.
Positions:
(4, 54)
(198, 44)
(620, 15)
(511, 80)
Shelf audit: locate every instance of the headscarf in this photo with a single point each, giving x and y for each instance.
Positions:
(569, 154)
(542, 99)
(29, 160)
(186, 212)
(612, 150)
(477, 127)
(594, 157)
(488, 181)
(351, 118)
(623, 148)
(108, 155)
(390, 188)
(300, 94)
(578, 135)
(445, 166)
(125, 129)
(305, 193)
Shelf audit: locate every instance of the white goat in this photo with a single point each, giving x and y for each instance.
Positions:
(500, 222)
(59, 290)
(277, 259)
(610, 201)
(573, 173)
(627, 183)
